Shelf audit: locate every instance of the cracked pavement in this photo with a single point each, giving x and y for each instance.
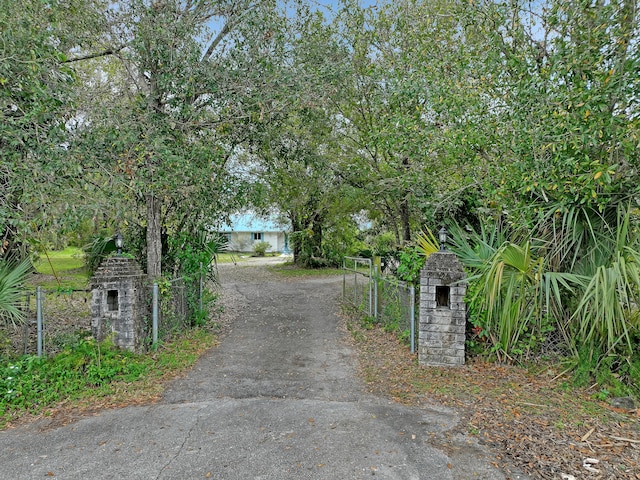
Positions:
(279, 398)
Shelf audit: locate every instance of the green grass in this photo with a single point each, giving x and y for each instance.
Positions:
(71, 258)
(291, 270)
(73, 280)
(230, 257)
(62, 269)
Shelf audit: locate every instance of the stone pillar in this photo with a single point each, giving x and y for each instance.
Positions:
(118, 303)
(442, 311)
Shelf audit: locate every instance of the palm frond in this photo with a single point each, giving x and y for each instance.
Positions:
(427, 243)
(12, 277)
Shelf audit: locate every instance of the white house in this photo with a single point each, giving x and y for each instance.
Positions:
(246, 229)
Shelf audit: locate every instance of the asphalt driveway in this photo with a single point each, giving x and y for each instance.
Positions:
(278, 399)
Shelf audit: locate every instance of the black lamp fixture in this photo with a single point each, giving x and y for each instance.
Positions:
(119, 240)
(443, 237)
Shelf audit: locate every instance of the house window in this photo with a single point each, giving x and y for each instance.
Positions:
(257, 236)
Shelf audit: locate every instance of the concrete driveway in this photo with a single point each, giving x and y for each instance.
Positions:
(278, 399)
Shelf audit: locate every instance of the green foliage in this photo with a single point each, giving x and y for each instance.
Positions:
(194, 258)
(260, 248)
(615, 376)
(32, 382)
(384, 244)
(411, 262)
(573, 279)
(97, 250)
(13, 274)
(509, 292)
(85, 368)
(606, 317)
(192, 255)
(38, 178)
(307, 249)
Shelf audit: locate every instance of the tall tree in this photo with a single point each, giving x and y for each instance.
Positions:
(36, 99)
(298, 157)
(401, 105)
(180, 106)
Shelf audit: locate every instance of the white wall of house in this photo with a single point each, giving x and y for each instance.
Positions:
(275, 239)
(244, 241)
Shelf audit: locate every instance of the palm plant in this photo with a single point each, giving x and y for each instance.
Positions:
(12, 277)
(607, 315)
(578, 269)
(512, 291)
(509, 294)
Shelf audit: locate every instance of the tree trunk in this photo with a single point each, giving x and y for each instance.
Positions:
(154, 237)
(405, 221)
(316, 237)
(405, 215)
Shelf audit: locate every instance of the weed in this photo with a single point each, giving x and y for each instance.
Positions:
(86, 368)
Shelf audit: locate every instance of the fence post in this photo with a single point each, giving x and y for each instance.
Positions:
(201, 288)
(25, 330)
(412, 316)
(39, 318)
(375, 292)
(154, 314)
(344, 279)
(355, 283)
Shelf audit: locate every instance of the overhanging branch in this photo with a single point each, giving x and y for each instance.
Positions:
(109, 51)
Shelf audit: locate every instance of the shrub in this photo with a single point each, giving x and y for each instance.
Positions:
(411, 261)
(260, 248)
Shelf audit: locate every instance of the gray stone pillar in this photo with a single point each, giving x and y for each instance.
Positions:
(442, 311)
(119, 306)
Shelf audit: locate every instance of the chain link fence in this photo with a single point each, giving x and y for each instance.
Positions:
(396, 307)
(57, 318)
(357, 287)
(64, 316)
(386, 300)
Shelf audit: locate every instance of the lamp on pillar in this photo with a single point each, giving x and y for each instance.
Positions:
(443, 237)
(119, 240)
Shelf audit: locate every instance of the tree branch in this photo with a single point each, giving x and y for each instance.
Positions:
(212, 46)
(109, 51)
(225, 30)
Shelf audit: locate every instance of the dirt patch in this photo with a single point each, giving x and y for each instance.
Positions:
(528, 419)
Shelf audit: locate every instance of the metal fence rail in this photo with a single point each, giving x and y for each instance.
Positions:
(389, 301)
(357, 287)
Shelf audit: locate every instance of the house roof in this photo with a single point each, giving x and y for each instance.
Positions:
(250, 222)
